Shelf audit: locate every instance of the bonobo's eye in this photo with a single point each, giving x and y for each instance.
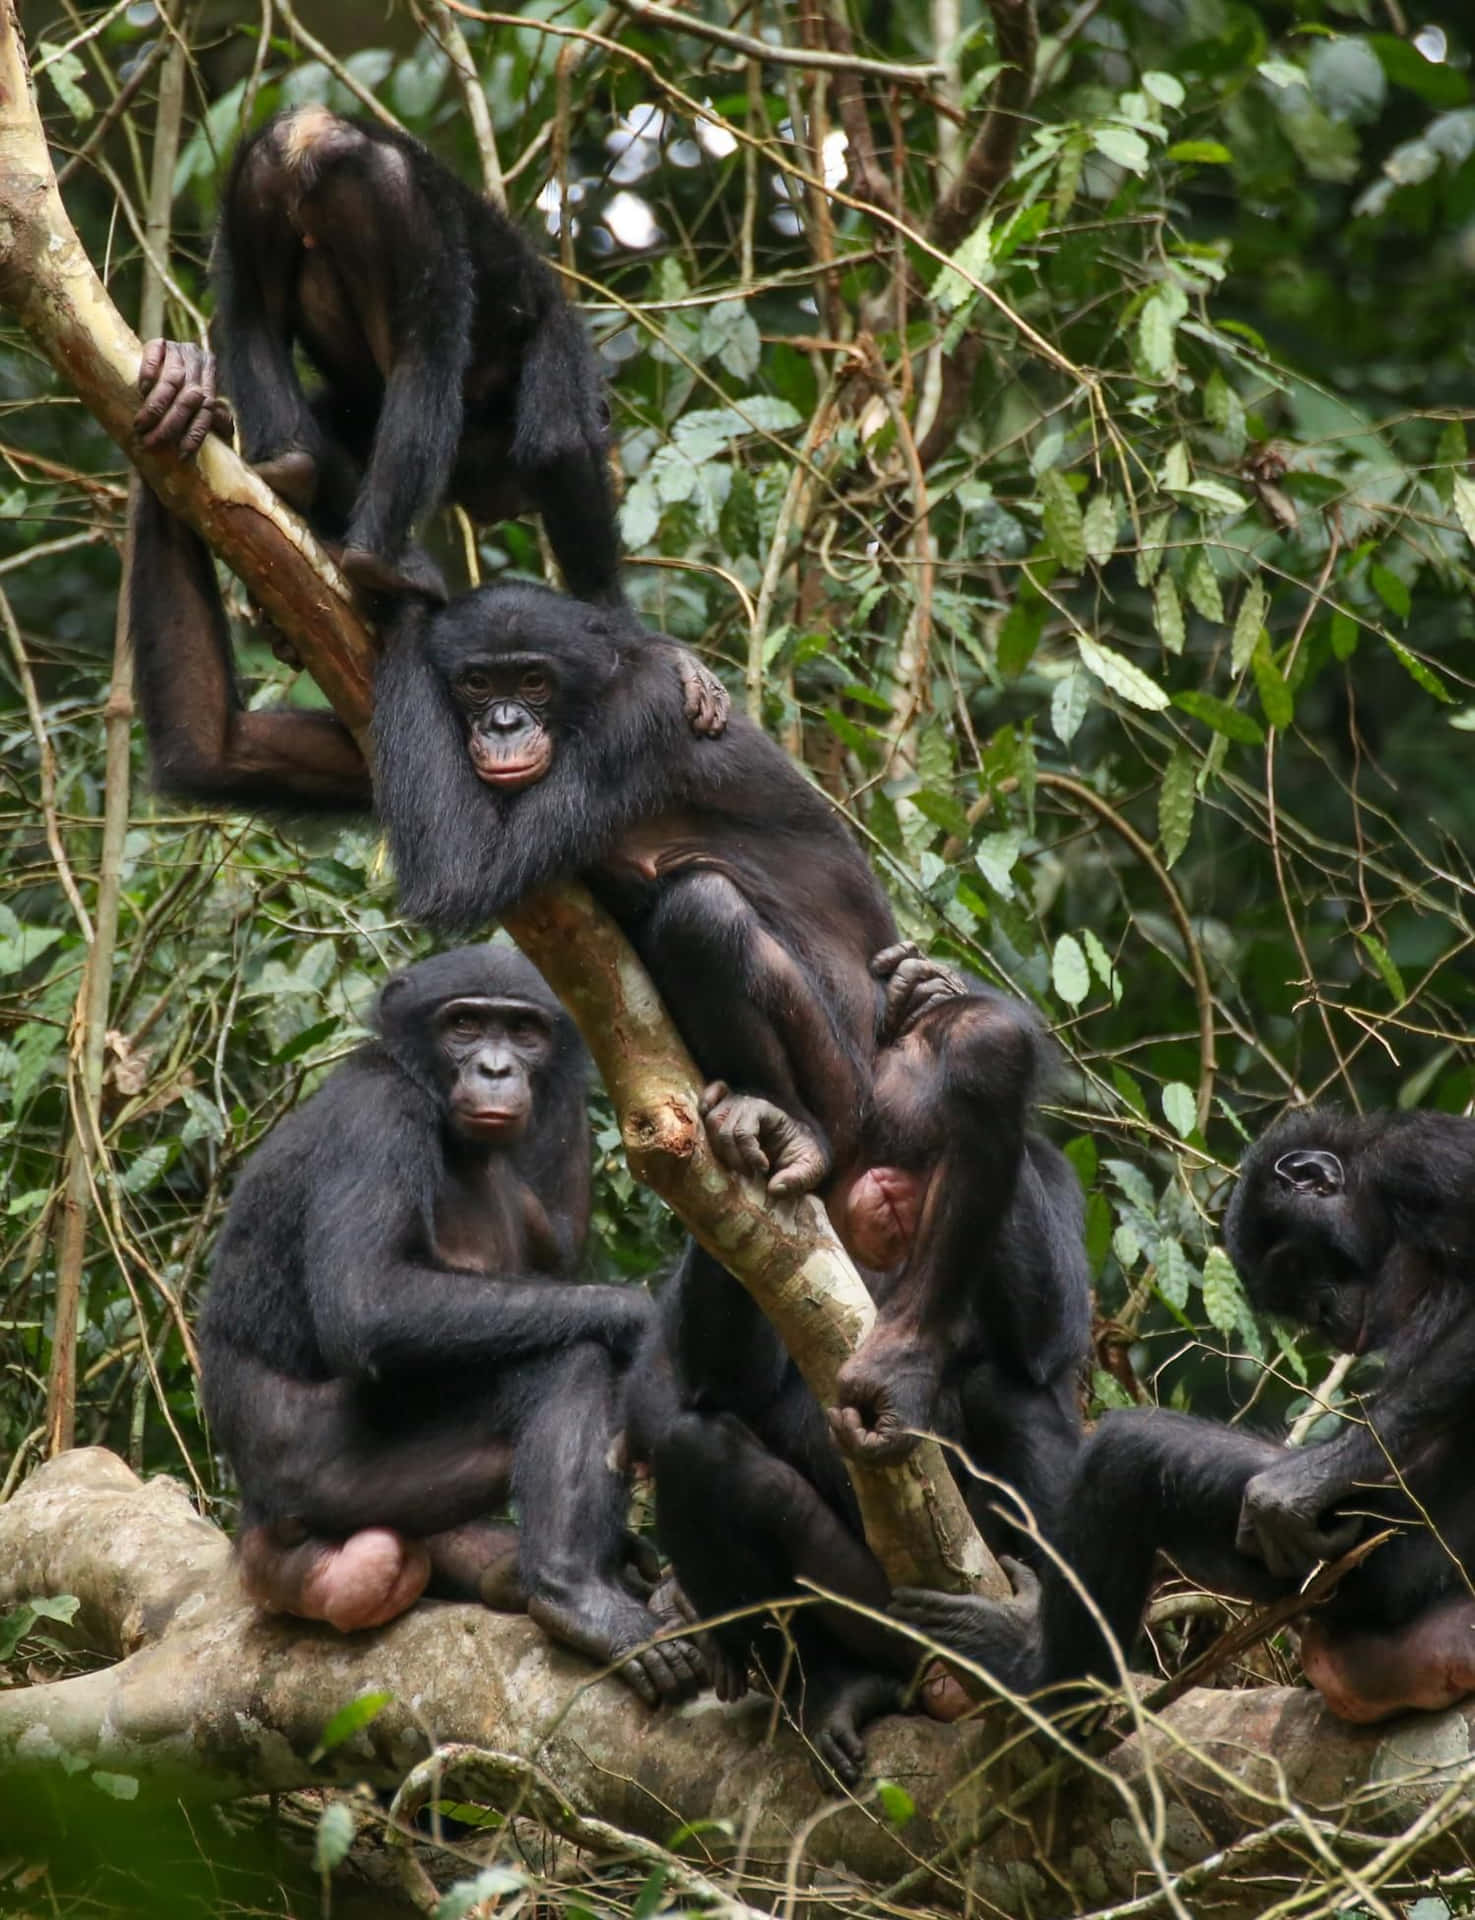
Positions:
(465, 1024)
(1311, 1170)
(475, 683)
(535, 686)
(527, 1029)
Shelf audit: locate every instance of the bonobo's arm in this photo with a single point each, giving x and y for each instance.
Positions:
(380, 1303)
(959, 1087)
(204, 742)
(1426, 1405)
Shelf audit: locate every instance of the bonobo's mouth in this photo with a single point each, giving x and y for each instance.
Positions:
(510, 770)
(491, 1123)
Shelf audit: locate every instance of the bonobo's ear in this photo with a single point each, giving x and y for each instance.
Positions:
(1311, 1170)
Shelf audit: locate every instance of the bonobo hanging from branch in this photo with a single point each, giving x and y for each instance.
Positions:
(204, 742)
(1363, 1230)
(393, 1342)
(452, 365)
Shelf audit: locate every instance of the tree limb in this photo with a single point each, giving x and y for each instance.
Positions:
(916, 1519)
(210, 1702)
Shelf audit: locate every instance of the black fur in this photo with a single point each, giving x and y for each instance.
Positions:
(452, 365)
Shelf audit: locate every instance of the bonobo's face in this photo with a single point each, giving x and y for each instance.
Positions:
(508, 705)
(1304, 1242)
(488, 1054)
(523, 666)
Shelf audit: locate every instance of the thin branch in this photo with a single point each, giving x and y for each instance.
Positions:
(445, 30)
(899, 73)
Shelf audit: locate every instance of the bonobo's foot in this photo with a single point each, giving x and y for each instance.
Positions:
(751, 1135)
(373, 1576)
(705, 697)
(413, 572)
(837, 1709)
(1363, 1676)
(292, 476)
(477, 1562)
(913, 985)
(607, 1625)
(724, 1654)
(1001, 1636)
(180, 406)
(640, 1566)
(884, 1397)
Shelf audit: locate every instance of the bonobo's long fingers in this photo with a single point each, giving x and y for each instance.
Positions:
(913, 984)
(732, 1130)
(179, 407)
(705, 698)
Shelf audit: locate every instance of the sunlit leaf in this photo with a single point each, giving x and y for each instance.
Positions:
(1118, 673)
(1064, 531)
(1068, 970)
(1168, 613)
(1224, 1300)
(1180, 1108)
(1177, 798)
(1247, 624)
(1098, 526)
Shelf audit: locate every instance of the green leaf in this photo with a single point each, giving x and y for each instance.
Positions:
(347, 1721)
(1107, 1391)
(1172, 1273)
(896, 1803)
(995, 855)
(1417, 671)
(1098, 526)
(1180, 1108)
(1069, 972)
(1068, 703)
(1168, 613)
(1133, 1183)
(1248, 623)
(1203, 153)
(1224, 1300)
(1064, 530)
(117, 1786)
(1120, 144)
(1270, 684)
(1222, 717)
(1113, 670)
(1156, 325)
(1165, 88)
(492, 1883)
(972, 261)
(1344, 635)
(66, 72)
(730, 332)
(1127, 1087)
(334, 1836)
(652, 1893)
(1126, 1246)
(1150, 552)
(145, 1168)
(1203, 587)
(27, 943)
(1019, 634)
(1391, 590)
(1101, 964)
(1464, 502)
(1385, 964)
(1176, 800)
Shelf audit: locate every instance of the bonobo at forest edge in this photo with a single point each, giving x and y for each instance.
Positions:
(1362, 1229)
(967, 1228)
(393, 1345)
(205, 743)
(451, 363)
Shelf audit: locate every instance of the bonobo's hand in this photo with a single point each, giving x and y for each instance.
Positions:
(705, 696)
(180, 405)
(751, 1135)
(1001, 1635)
(913, 984)
(884, 1397)
(1279, 1521)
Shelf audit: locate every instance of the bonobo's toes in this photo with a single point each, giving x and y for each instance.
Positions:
(413, 572)
(607, 1625)
(292, 476)
(839, 1754)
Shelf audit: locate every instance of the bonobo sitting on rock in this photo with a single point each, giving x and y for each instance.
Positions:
(1362, 1229)
(393, 1344)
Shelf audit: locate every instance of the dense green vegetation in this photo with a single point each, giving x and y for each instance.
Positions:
(1122, 595)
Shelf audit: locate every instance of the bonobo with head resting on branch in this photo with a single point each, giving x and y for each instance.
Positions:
(1361, 1229)
(451, 364)
(394, 1343)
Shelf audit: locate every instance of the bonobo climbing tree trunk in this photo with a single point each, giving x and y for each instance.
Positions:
(791, 1262)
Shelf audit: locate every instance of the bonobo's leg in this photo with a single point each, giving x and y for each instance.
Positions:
(1366, 1674)
(1030, 1438)
(258, 258)
(478, 1562)
(343, 1496)
(401, 262)
(952, 1090)
(838, 1702)
(770, 1032)
(576, 502)
(1146, 1482)
(571, 1502)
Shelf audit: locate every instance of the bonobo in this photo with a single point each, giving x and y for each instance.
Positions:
(392, 1344)
(451, 363)
(1362, 1229)
(967, 1228)
(205, 743)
